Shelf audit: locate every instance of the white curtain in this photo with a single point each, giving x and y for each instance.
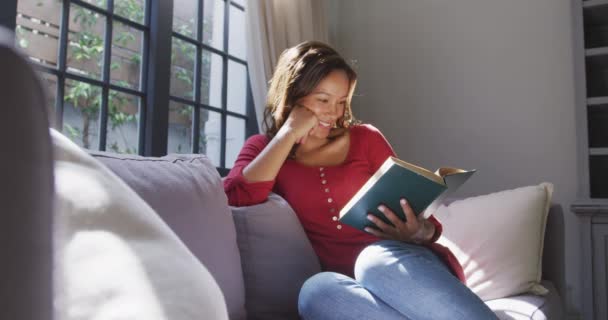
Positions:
(273, 26)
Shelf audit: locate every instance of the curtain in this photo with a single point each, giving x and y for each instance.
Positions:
(273, 26)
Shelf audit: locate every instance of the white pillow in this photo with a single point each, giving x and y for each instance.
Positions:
(498, 239)
(114, 257)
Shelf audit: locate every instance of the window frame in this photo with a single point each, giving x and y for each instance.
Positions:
(196, 103)
(154, 91)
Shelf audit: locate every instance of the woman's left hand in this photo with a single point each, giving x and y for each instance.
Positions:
(412, 230)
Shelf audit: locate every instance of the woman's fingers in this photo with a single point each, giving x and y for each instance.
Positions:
(410, 216)
(385, 227)
(390, 215)
(377, 233)
(400, 230)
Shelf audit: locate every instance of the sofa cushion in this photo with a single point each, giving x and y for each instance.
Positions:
(114, 257)
(277, 258)
(187, 192)
(529, 306)
(498, 239)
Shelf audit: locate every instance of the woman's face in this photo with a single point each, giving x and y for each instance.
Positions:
(327, 101)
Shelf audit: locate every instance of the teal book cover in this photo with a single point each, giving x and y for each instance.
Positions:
(397, 179)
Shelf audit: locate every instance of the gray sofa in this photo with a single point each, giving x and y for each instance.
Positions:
(273, 249)
(258, 255)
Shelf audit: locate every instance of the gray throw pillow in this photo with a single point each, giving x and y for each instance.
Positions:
(187, 193)
(277, 258)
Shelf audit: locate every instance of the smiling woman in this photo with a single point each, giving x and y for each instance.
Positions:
(316, 156)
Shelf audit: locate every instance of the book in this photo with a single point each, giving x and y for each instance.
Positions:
(395, 179)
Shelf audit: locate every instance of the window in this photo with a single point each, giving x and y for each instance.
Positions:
(90, 54)
(208, 52)
(103, 75)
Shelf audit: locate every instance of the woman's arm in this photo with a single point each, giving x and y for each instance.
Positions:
(254, 172)
(267, 164)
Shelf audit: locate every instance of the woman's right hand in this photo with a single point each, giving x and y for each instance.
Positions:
(300, 122)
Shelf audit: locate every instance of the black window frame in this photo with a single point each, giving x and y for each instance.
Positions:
(200, 46)
(154, 91)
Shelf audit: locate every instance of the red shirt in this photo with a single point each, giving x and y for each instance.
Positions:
(318, 193)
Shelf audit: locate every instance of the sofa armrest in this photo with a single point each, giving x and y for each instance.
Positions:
(554, 249)
(26, 190)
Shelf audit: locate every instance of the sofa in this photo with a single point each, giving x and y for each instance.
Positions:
(266, 231)
(258, 256)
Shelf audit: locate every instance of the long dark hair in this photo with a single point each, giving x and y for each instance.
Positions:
(298, 72)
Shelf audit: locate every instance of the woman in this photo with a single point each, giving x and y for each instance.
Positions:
(317, 156)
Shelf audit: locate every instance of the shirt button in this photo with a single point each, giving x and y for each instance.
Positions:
(330, 200)
(334, 218)
(321, 169)
(326, 190)
(339, 227)
(332, 210)
(322, 175)
(323, 181)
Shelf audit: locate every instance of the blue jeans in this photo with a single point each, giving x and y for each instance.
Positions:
(394, 280)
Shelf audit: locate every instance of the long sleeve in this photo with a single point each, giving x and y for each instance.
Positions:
(379, 150)
(240, 192)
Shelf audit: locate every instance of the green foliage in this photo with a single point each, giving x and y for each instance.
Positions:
(130, 9)
(123, 38)
(87, 46)
(74, 133)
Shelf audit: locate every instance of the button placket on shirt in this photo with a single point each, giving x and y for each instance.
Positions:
(330, 200)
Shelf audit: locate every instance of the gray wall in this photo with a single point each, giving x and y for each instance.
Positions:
(472, 83)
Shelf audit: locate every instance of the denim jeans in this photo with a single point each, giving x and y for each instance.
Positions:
(393, 280)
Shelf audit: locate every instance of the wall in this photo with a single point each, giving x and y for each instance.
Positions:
(473, 83)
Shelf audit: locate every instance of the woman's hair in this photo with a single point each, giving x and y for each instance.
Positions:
(298, 72)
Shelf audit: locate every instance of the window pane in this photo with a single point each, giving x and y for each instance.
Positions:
(211, 82)
(131, 9)
(49, 82)
(210, 138)
(125, 69)
(235, 138)
(182, 66)
(213, 23)
(85, 49)
(185, 13)
(81, 113)
(237, 90)
(180, 128)
(123, 122)
(37, 31)
(236, 39)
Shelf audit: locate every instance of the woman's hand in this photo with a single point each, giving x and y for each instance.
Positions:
(412, 230)
(300, 122)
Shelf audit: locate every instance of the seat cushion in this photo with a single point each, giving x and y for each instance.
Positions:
(529, 306)
(114, 257)
(187, 193)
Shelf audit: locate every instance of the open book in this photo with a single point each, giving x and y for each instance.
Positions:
(396, 179)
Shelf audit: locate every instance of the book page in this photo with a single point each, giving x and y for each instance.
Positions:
(421, 171)
(444, 171)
